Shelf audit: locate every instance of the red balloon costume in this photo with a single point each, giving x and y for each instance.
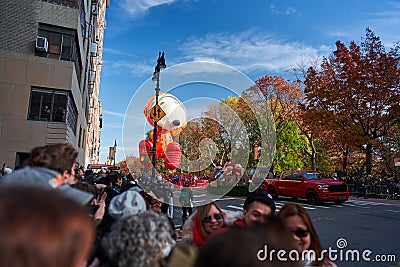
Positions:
(169, 126)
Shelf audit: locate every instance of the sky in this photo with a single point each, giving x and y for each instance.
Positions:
(214, 47)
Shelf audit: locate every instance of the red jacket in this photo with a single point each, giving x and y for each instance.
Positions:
(199, 237)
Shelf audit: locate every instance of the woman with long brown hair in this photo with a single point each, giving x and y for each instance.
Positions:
(299, 222)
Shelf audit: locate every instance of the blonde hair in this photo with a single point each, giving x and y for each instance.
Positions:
(202, 212)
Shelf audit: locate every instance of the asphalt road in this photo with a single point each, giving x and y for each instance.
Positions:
(369, 226)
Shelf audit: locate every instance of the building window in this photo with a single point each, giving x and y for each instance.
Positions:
(80, 136)
(53, 106)
(21, 160)
(84, 139)
(72, 114)
(63, 45)
(83, 22)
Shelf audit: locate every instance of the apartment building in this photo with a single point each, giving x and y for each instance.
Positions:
(50, 64)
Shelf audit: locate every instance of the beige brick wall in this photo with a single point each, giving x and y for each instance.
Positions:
(18, 26)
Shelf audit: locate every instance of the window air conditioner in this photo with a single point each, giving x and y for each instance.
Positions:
(42, 44)
(93, 48)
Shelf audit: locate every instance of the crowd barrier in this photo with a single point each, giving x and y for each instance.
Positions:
(377, 191)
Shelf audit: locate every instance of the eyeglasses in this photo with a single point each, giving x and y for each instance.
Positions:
(301, 233)
(217, 216)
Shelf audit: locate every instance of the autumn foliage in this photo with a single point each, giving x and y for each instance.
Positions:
(342, 117)
(356, 93)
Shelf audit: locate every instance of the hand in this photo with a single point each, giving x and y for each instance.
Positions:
(102, 207)
(103, 197)
(100, 186)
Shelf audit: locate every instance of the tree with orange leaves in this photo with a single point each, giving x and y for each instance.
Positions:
(357, 91)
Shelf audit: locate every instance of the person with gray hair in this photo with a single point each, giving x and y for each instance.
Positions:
(126, 204)
(138, 240)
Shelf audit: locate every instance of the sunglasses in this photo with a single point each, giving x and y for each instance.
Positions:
(217, 216)
(301, 233)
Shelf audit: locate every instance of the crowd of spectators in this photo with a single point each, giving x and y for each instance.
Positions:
(55, 213)
(379, 187)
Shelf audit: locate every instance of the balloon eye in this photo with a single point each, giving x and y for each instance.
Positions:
(176, 122)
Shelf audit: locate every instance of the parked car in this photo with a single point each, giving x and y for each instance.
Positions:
(311, 185)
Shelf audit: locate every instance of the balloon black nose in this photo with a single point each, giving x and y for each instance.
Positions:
(176, 122)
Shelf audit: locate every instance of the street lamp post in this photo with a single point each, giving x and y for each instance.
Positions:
(156, 77)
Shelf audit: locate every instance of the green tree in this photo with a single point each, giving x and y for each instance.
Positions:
(291, 149)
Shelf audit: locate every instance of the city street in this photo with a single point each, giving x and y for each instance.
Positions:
(358, 224)
(185, 102)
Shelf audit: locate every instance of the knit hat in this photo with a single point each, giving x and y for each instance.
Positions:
(260, 196)
(126, 204)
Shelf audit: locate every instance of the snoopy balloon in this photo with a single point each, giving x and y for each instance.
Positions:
(170, 125)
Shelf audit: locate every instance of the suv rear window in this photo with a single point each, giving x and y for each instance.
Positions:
(312, 175)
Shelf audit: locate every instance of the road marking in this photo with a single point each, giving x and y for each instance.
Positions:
(360, 202)
(352, 201)
(350, 205)
(281, 203)
(235, 207)
(201, 195)
(227, 198)
(322, 207)
(387, 204)
(355, 203)
(393, 210)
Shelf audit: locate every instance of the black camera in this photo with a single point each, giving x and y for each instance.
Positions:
(93, 209)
